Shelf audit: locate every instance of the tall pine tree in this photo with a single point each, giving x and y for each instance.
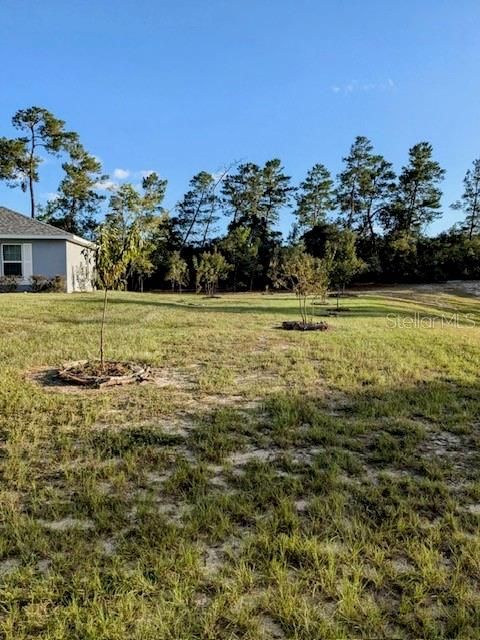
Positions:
(77, 202)
(365, 188)
(197, 212)
(315, 197)
(417, 201)
(469, 202)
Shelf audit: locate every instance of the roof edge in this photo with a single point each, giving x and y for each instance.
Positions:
(65, 238)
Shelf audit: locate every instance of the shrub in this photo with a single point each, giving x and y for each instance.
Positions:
(58, 284)
(210, 269)
(306, 276)
(8, 284)
(41, 283)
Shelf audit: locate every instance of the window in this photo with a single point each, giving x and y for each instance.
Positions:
(12, 260)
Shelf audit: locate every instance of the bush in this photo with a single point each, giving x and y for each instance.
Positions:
(8, 284)
(58, 284)
(41, 283)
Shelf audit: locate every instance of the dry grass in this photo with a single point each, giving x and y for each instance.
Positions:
(267, 484)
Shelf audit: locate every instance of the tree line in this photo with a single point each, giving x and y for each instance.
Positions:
(368, 222)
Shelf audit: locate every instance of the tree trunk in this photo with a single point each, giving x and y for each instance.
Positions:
(474, 212)
(30, 173)
(32, 197)
(235, 271)
(102, 330)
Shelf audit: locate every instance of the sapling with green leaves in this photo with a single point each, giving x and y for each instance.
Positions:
(177, 271)
(116, 250)
(307, 277)
(210, 269)
(344, 264)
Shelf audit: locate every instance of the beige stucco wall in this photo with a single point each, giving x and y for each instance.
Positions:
(80, 268)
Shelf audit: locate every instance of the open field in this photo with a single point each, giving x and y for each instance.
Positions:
(267, 484)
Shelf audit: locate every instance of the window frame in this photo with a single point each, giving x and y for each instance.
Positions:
(3, 261)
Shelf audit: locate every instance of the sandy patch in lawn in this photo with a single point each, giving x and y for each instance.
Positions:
(474, 508)
(67, 523)
(48, 378)
(214, 557)
(8, 566)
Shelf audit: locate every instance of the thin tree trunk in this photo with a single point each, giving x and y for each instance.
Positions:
(413, 200)
(102, 354)
(32, 197)
(474, 212)
(30, 173)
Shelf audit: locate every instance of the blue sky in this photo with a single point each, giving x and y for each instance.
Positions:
(180, 86)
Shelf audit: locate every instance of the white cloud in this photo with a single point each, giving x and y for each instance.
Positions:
(121, 174)
(107, 185)
(355, 86)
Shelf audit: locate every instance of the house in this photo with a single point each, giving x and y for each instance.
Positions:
(32, 248)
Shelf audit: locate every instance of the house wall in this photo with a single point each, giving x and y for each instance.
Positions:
(57, 258)
(49, 258)
(79, 268)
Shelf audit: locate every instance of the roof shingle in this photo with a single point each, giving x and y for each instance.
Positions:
(15, 224)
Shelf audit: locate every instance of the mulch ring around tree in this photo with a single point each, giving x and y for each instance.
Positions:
(293, 325)
(89, 373)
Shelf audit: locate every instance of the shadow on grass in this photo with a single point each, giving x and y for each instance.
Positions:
(464, 315)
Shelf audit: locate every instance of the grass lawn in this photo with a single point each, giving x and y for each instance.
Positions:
(268, 484)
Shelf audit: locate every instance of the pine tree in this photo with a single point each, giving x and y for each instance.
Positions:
(365, 188)
(254, 197)
(417, 201)
(470, 200)
(197, 211)
(315, 197)
(42, 130)
(77, 202)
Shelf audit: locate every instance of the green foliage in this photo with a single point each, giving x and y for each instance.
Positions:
(334, 494)
(116, 249)
(388, 215)
(417, 198)
(209, 270)
(306, 276)
(254, 197)
(341, 256)
(76, 204)
(197, 211)
(241, 251)
(177, 271)
(470, 200)
(315, 197)
(41, 130)
(13, 161)
(365, 188)
(141, 213)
